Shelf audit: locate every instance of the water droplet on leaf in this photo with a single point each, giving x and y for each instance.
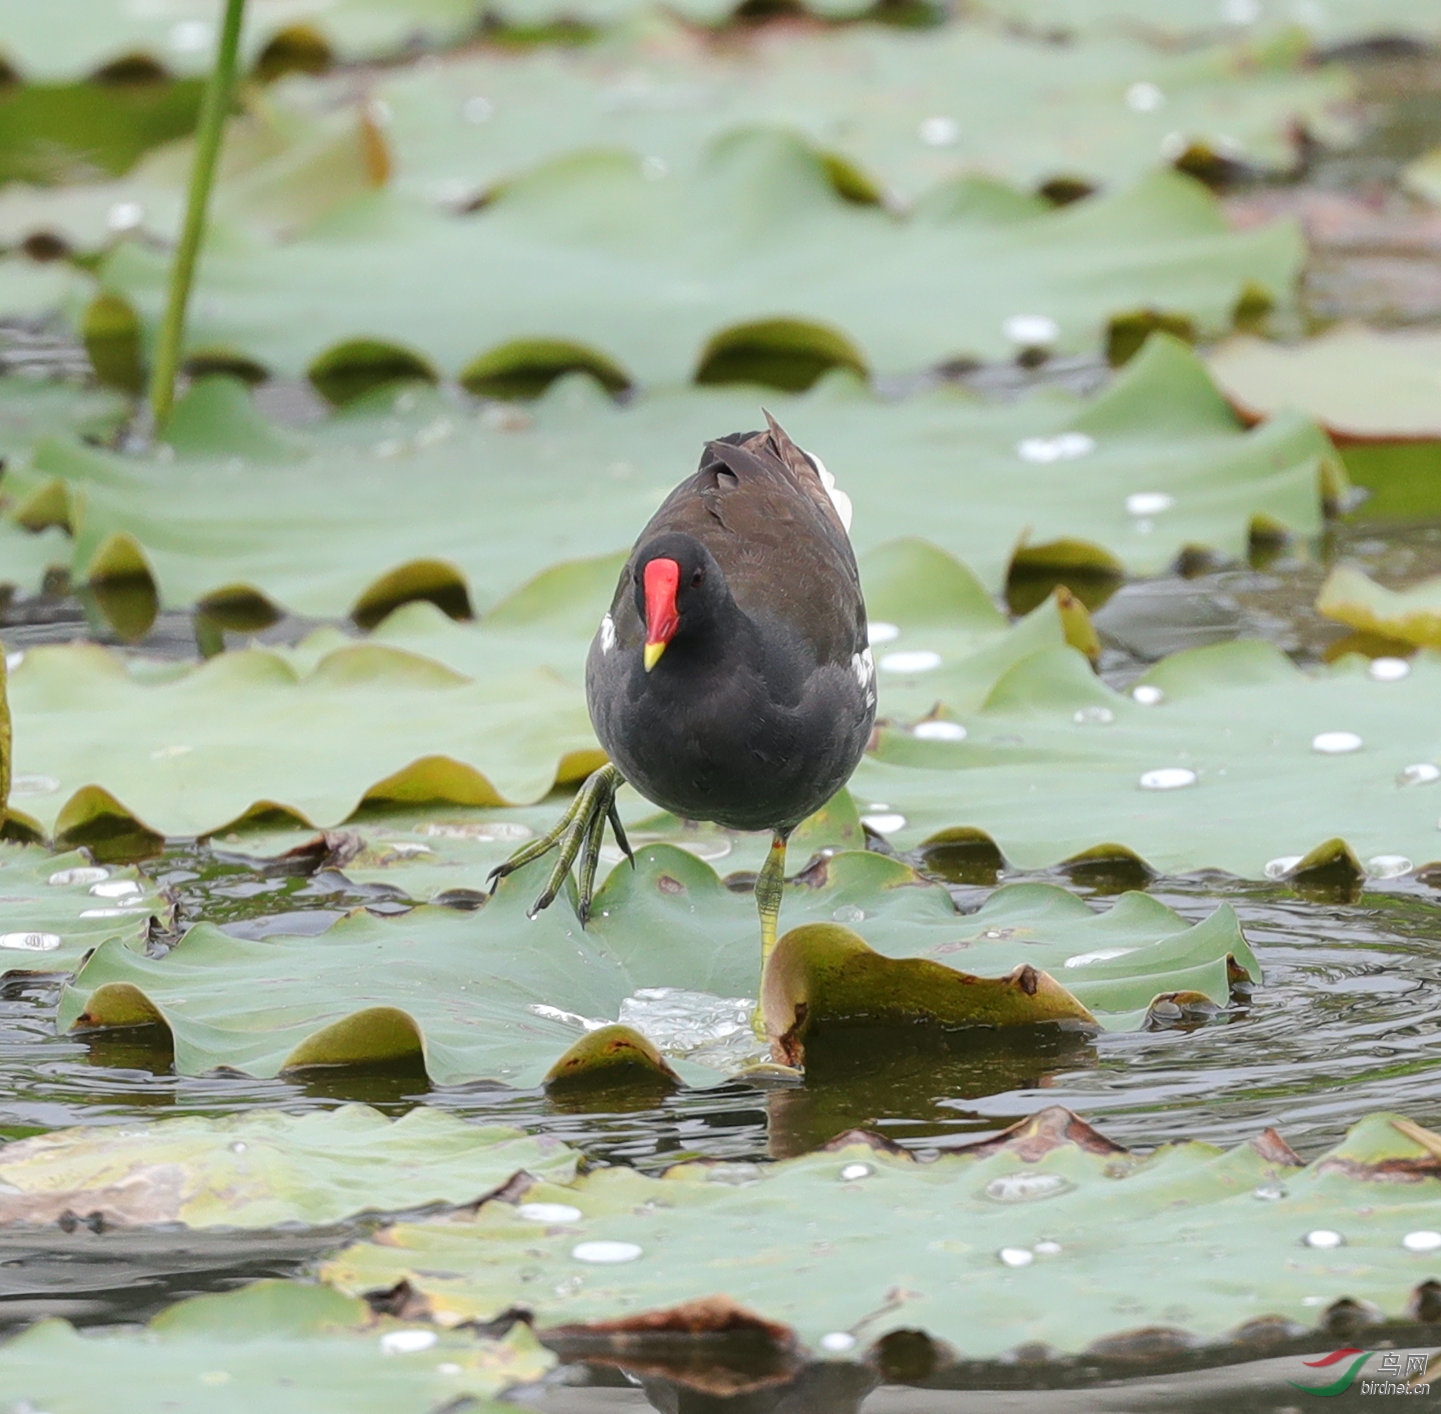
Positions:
(29, 942)
(1424, 1240)
(939, 131)
(882, 632)
(837, 1341)
(1144, 97)
(115, 888)
(884, 824)
(1147, 695)
(1148, 503)
(1324, 1238)
(938, 729)
(853, 1173)
(1269, 1192)
(407, 1342)
(1168, 778)
(1016, 1256)
(548, 1213)
(605, 1253)
(82, 874)
(1026, 1187)
(1031, 331)
(1282, 865)
(1388, 669)
(914, 660)
(1421, 774)
(1336, 743)
(1085, 716)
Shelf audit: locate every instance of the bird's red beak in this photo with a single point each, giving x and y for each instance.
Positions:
(662, 618)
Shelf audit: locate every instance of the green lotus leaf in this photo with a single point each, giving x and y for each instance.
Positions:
(1048, 1237)
(1260, 764)
(645, 275)
(426, 710)
(57, 907)
(409, 480)
(1361, 385)
(1325, 26)
(904, 110)
(385, 989)
(287, 1347)
(201, 746)
(1412, 615)
(266, 1167)
(179, 36)
(443, 855)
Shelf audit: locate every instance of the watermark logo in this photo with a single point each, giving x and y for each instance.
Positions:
(1398, 1373)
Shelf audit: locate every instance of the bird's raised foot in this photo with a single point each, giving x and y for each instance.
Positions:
(578, 834)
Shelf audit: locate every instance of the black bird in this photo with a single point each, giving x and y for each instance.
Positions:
(731, 679)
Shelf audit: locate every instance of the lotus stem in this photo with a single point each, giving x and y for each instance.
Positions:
(213, 109)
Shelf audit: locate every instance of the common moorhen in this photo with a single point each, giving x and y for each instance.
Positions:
(730, 679)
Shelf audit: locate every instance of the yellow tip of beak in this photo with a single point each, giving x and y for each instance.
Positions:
(652, 654)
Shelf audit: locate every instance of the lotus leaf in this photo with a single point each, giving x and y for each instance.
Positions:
(906, 110)
(179, 36)
(496, 995)
(444, 855)
(192, 751)
(266, 1167)
(55, 908)
(408, 494)
(1258, 762)
(645, 276)
(31, 409)
(1335, 22)
(31, 288)
(1361, 385)
(285, 1347)
(26, 557)
(1412, 615)
(1049, 1237)
(427, 710)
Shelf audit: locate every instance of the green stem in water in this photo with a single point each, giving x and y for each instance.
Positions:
(213, 110)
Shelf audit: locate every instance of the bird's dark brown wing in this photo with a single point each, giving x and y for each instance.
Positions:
(759, 506)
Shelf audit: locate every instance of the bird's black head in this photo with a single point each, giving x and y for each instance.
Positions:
(679, 590)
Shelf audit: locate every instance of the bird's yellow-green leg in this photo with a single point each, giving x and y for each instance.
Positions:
(578, 832)
(770, 884)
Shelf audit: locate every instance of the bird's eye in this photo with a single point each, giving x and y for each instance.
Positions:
(697, 579)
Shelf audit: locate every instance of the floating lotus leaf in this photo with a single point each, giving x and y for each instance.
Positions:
(1049, 1237)
(31, 409)
(1361, 385)
(265, 1167)
(179, 36)
(409, 495)
(1260, 763)
(55, 908)
(907, 110)
(1412, 615)
(1335, 22)
(194, 750)
(286, 1347)
(426, 710)
(444, 854)
(495, 995)
(642, 277)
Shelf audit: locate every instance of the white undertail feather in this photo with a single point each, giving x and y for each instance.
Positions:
(607, 634)
(839, 499)
(863, 665)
